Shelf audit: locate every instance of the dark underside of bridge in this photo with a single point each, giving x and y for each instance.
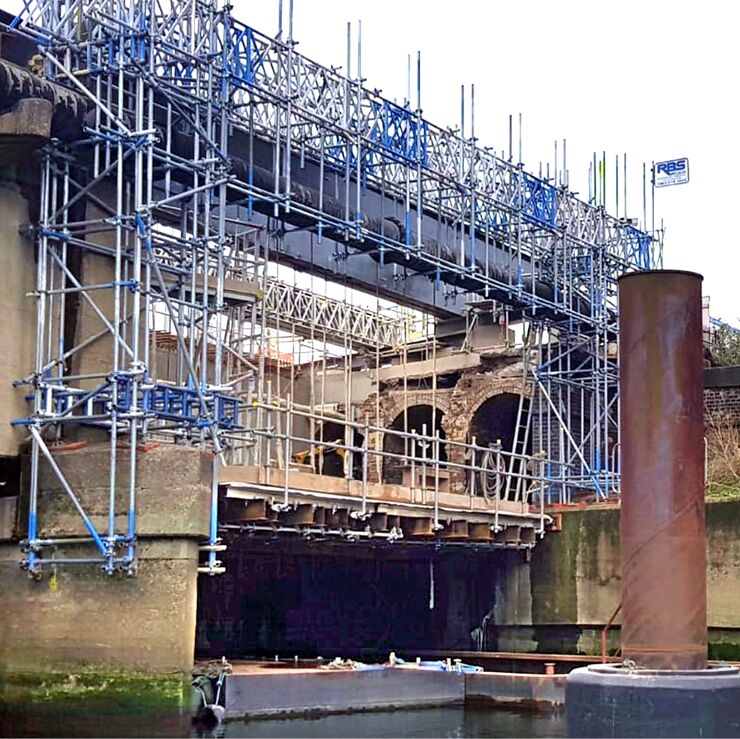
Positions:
(297, 598)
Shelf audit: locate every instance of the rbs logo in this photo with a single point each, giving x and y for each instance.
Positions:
(669, 168)
(672, 172)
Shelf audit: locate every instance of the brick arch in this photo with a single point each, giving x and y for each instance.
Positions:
(469, 395)
(504, 386)
(391, 406)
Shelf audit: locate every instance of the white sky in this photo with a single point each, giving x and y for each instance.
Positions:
(654, 79)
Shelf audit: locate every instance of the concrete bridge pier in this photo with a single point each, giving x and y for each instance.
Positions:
(77, 618)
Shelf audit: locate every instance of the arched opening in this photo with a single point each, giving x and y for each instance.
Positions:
(495, 419)
(330, 461)
(416, 418)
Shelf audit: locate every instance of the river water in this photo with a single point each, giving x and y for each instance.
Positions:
(58, 721)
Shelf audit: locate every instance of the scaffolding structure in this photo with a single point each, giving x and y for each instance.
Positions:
(206, 148)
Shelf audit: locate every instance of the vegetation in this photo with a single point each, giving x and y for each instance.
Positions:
(113, 688)
(723, 460)
(725, 346)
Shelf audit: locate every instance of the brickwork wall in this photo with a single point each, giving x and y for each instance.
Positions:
(722, 405)
(457, 406)
(539, 430)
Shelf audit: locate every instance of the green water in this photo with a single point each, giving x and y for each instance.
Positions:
(56, 720)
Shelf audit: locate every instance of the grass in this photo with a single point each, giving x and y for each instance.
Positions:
(723, 491)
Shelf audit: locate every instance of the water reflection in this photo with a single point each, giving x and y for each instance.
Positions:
(58, 721)
(431, 722)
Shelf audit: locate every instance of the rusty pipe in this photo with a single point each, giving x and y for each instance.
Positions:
(663, 540)
(606, 628)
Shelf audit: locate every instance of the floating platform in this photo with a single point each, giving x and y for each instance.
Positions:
(264, 689)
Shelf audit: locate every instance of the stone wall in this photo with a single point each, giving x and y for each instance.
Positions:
(560, 600)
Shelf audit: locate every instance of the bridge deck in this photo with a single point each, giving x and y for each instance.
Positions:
(388, 511)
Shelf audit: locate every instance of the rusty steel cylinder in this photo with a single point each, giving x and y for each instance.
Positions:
(663, 540)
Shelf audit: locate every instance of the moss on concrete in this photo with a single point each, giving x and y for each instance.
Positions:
(575, 583)
(723, 514)
(134, 691)
(553, 576)
(593, 525)
(724, 651)
(724, 644)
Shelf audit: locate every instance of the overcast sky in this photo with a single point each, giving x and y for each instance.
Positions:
(657, 80)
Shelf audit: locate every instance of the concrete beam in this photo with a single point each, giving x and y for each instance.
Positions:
(440, 366)
(172, 491)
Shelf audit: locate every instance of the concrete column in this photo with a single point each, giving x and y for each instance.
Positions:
(18, 308)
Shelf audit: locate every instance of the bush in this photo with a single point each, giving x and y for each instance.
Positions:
(725, 346)
(723, 458)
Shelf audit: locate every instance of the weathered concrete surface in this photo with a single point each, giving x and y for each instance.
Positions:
(561, 599)
(84, 619)
(79, 618)
(173, 491)
(271, 692)
(17, 279)
(723, 580)
(29, 122)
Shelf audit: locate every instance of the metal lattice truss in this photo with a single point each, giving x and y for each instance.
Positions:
(288, 306)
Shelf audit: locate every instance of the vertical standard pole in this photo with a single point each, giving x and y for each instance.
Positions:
(365, 462)
(624, 180)
(644, 199)
(663, 541)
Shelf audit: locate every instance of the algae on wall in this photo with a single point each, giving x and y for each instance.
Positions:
(575, 584)
(575, 579)
(723, 579)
